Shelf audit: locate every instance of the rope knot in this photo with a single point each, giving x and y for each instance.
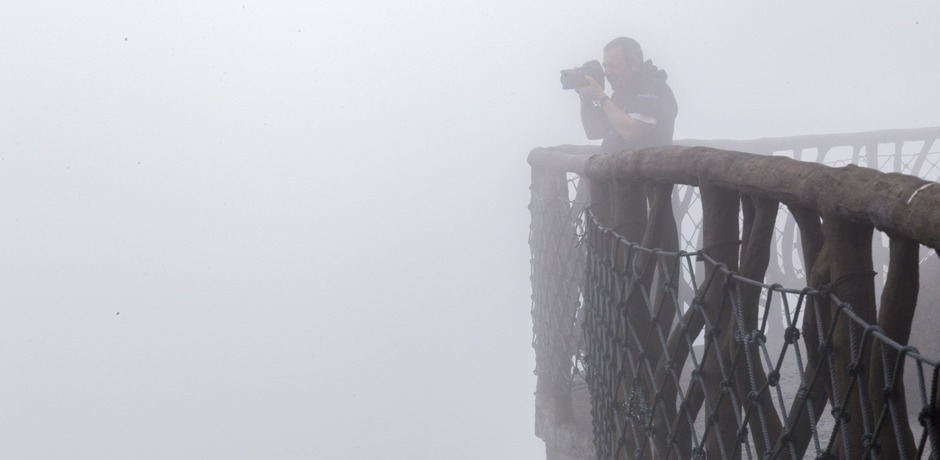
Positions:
(869, 442)
(929, 416)
(773, 377)
(804, 394)
(855, 369)
(714, 333)
(792, 335)
(758, 337)
(752, 397)
(888, 394)
(839, 413)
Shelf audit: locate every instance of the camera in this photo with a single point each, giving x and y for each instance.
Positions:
(574, 78)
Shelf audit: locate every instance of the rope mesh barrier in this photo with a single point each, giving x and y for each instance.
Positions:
(625, 387)
(556, 278)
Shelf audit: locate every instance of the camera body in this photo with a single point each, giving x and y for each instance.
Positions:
(575, 78)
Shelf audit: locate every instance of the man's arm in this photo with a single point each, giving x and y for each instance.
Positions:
(597, 121)
(628, 126)
(593, 119)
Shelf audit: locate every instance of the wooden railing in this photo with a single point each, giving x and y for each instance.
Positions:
(600, 318)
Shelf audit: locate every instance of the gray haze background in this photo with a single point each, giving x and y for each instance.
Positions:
(251, 230)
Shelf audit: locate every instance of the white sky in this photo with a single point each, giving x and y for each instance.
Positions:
(311, 216)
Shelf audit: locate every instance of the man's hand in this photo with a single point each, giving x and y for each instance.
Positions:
(594, 121)
(591, 92)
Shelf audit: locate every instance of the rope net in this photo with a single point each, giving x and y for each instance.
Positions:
(723, 375)
(556, 275)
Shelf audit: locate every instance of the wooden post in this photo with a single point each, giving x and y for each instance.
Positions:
(898, 301)
(628, 218)
(757, 238)
(815, 395)
(852, 282)
(720, 209)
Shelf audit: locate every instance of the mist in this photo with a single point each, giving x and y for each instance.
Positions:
(294, 230)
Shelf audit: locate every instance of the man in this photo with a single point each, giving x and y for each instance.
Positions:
(642, 109)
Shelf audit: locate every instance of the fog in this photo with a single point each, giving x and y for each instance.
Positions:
(253, 230)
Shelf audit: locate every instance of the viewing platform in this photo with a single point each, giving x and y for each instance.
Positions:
(739, 299)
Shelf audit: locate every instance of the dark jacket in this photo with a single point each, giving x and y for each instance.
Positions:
(648, 98)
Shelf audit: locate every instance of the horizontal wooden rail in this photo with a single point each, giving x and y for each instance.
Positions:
(894, 203)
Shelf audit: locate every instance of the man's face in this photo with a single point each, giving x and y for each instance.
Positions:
(618, 70)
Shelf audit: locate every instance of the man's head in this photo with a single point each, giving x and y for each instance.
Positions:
(623, 58)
